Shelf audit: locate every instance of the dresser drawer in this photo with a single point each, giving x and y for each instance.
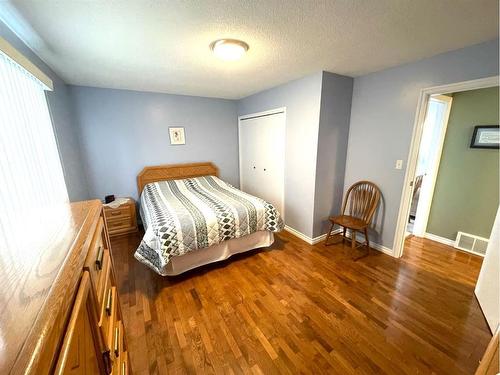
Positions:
(119, 354)
(121, 226)
(124, 364)
(107, 320)
(105, 283)
(120, 212)
(94, 262)
(118, 341)
(78, 354)
(121, 367)
(117, 222)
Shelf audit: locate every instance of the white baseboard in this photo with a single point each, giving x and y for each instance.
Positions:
(373, 245)
(309, 240)
(381, 248)
(296, 233)
(443, 240)
(318, 239)
(315, 240)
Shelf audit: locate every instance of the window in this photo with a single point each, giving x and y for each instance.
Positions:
(31, 175)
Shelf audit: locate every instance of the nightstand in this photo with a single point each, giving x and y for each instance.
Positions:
(122, 219)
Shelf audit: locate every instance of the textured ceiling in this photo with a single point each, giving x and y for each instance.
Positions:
(164, 46)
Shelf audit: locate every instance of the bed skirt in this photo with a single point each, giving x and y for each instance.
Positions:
(215, 253)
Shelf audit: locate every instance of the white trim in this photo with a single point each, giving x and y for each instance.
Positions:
(315, 240)
(381, 248)
(263, 113)
(309, 240)
(321, 238)
(373, 245)
(260, 114)
(404, 205)
(296, 233)
(470, 252)
(20, 59)
(451, 243)
(429, 182)
(443, 240)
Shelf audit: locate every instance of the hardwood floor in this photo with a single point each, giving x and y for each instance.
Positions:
(299, 308)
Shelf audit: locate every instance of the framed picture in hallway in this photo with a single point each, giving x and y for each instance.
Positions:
(177, 136)
(485, 136)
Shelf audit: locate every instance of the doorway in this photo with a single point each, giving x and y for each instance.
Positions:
(262, 156)
(413, 159)
(429, 156)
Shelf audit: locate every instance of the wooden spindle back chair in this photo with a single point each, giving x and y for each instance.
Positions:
(359, 206)
(417, 184)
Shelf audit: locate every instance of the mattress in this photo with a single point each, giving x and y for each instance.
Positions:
(188, 215)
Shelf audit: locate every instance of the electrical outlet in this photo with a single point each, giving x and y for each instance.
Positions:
(399, 164)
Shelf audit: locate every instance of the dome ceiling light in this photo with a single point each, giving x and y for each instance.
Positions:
(229, 49)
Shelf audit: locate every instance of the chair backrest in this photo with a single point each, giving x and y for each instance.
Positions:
(361, 200)
(417, 184)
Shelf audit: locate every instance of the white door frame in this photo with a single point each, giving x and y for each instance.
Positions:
(404, 205)
(261, 114)
(429, 183)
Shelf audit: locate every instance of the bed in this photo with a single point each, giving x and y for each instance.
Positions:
(192, 218)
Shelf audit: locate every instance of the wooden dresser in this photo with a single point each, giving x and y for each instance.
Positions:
(60, 308)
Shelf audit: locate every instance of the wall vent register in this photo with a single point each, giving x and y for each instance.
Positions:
(471, 243)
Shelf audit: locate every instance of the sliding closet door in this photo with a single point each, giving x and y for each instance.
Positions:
(262, 157)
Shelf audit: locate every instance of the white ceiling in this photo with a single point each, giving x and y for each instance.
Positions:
(163, 46)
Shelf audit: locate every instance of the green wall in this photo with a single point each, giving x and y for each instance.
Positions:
(466, 194)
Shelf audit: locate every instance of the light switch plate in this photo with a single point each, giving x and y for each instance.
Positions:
(399, 164)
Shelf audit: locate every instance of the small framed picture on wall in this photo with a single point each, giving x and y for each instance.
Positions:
(177, 136)
(485, 136)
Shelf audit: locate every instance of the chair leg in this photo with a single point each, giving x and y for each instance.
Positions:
(343, 235)
(329, 234)
(367, 240)
(353, 239)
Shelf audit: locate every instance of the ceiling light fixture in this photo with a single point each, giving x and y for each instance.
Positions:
(229, 49)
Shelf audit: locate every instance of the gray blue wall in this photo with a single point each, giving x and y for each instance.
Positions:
(123, 131)
(383, 112)
(62, 119)
(335, 111)
(302, 101)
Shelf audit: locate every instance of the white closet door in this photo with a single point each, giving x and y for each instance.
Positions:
(262, 157)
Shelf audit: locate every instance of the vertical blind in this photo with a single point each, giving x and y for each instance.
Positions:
(31, 175)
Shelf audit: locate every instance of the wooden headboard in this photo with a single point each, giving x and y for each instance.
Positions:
(174, 172)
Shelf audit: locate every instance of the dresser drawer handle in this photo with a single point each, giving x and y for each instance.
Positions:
(116, 213)
(124, 368)
(98, 259)
(117, 224)
(109, 302)
(116, 347)
(107, 362)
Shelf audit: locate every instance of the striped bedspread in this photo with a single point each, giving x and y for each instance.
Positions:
(185, 215)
